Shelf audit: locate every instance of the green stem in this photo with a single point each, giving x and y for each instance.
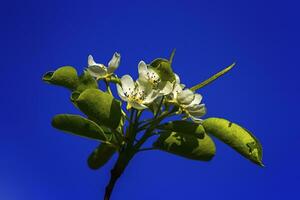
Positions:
(107, 86)
(157, 119)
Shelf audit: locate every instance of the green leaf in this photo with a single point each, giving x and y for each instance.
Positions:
(64, 76)
(68, 78)
(212, 78)
(172, 56)
(100, 156)
(163, 68)
(99, 106)
(186, 127)
(79, 126)
(235, 136)
(187, 146)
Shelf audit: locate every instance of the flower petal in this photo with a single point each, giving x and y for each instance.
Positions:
(177, 79)
(143, 70)
(114, 63)
(197, 99)
(96, 71)
(197, 110)
(127, 84)
(142, 67)
(185, 97)
(91, 61)
(165, 88)
(153, 76)
(121, 93)
(138, 106)
(177, 89)
(151, 97)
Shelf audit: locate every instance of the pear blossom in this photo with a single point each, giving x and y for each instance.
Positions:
(187, 100)
(149, 76)
(100, 71)
(136, 94)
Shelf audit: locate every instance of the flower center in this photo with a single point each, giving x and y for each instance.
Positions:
(136, 95)
(153, 78)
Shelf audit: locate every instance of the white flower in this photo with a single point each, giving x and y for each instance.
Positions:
(136, 94)
(195, 110)
(100, 71)
(149, 76)
(187, 100)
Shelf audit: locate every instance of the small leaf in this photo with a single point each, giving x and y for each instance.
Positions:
(64, 76)
(163, 68)
(212, 78)
(187, 146)
(100, 156)
(172, 56)
(99, 106)
(79, 126)
(235, 136)
(186, 127)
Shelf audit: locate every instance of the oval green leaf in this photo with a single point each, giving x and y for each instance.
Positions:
(67, 77)
(64, 76)
(100, 156)
(186, 127)
(79, 125)
(99, 106)
(240, 139)
(187, 146)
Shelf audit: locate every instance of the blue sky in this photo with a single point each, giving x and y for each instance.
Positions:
(261, 93)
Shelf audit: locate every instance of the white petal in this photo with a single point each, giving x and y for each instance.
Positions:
(142, 68)
(153, 75)
(143, 71)
(144, 86)
(167, 88)
(177, 89)
(114, 63)
(151, 97)
(96, 71)
(127, 84)
(177, 79)
(185, 97)
(197, 110)
(121, 93)
(197, 99)
(138, 106)
(91, 61)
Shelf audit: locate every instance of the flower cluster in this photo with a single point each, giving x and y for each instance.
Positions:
(157, 89)
(149, 88)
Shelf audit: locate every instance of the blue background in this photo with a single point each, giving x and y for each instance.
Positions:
(261, 93)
